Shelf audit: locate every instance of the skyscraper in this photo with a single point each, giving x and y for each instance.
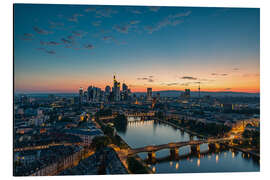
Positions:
(149, 94)
(107, 90)
(116, 89)
(80, 95)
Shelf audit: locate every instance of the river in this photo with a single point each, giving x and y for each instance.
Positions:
(149, 132)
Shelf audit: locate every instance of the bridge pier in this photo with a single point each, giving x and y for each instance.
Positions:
(152, 155)
(174, 152)
(191, 137)
(195, 149)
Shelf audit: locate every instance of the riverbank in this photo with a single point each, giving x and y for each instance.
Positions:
(122, 153)
(181, 128)
(202, 136)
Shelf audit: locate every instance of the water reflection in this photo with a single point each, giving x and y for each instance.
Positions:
(140, 133)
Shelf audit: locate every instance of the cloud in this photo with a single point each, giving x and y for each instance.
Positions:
(172, 84)
(27, 37)
(189, 78)
(217, 74)
(171, 20)
(41, 31)
(50, 51)
(107, 38)
(79, 33)
(56, 24)
(165, 22)
(235, 69)
(178, 15)
(154, 8)
(226, 89)
(49, 43)
(96, 23)
(90, 9)
(251, 75)
(135, 11)
(105, 12)
(66, 41)
(89, 46)
(74, 18)
(126, 27)
(122, 28)
(135, 22)
(148, 79)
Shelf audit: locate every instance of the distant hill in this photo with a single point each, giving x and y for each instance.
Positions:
(169, 93)
(174, 93)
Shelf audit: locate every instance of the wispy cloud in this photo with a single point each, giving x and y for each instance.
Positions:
(105, 12)
(50, 51)
(90, 9)
(189, 78)
(27, 37)
(135, 22)
(89, 46)
(154, 8)
(41, 31)
(217, 74)
(74, 18)
(97, 23)
(66, 41)
(125, 28)
(171, 20)
(79, 33)
(56, 25)
(122, 28)
(148, 79)
(49, 43)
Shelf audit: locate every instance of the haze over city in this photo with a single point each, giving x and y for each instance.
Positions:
(166, 48)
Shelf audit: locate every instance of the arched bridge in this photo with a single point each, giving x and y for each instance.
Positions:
(140, 114)
(195, 146)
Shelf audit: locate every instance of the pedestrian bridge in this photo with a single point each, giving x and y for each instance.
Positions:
(174, 146)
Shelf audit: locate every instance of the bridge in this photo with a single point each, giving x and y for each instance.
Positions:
(140, 114)
(174, 147)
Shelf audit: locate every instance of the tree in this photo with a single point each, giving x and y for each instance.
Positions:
(100, 142)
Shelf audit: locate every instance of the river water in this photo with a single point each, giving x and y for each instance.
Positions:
(142, 133)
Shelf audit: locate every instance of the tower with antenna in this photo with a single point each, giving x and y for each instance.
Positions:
(199, 90)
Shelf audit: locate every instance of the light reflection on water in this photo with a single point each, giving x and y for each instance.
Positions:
(143, 133)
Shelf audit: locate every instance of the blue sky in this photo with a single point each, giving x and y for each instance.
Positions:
(58, 48)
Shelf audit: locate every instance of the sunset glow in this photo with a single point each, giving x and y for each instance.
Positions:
(167, 48)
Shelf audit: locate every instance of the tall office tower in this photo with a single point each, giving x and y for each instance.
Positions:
(96, 94)
(124, 87)
(116, 89)
(199, 90)
(107, 90)
(187, 93)
(124, 95)
(149, 94)
(90, 93)
(80, 95)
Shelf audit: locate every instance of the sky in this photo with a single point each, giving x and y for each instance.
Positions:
(60, 48)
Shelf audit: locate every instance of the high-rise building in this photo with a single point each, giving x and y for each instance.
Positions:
(107, 90)
(90, 93)
(124, 87)
(116, 89)
(80, 95)
(187, 93)
(149, 94)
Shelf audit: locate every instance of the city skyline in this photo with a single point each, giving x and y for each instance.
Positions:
(165, 48)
